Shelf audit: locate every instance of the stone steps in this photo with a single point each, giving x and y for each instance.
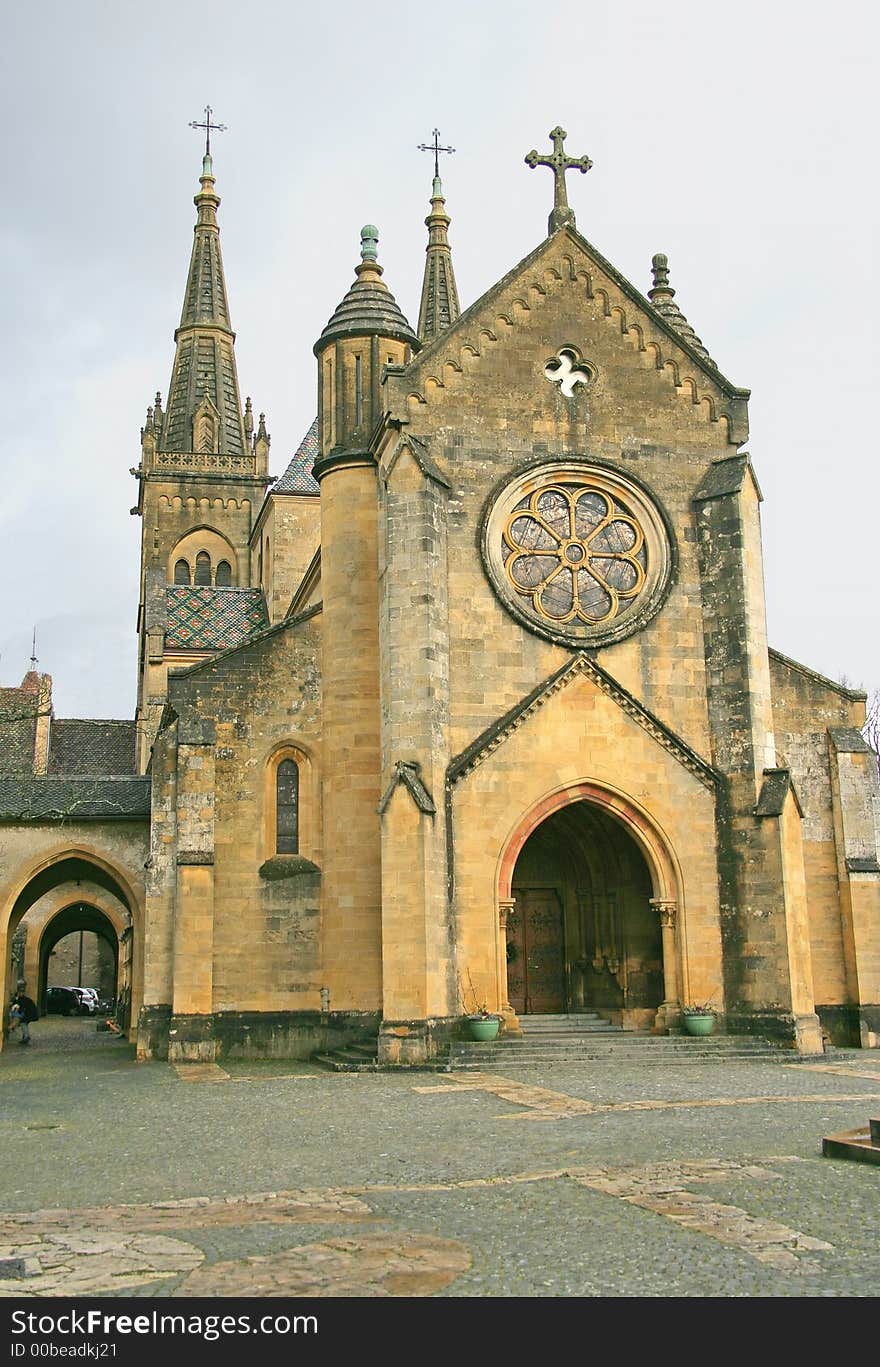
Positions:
(861, 1145)
(662, 1050)
(583, 1037)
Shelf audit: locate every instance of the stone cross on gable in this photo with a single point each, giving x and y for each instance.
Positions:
(559, 163)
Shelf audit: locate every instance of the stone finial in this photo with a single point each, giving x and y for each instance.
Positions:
(660, 272)
(248, 420)
(662, 297)
(262, 434)
(369, 242)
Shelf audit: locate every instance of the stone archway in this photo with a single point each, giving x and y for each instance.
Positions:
(587, 902)
(58, 928)
(51, 894)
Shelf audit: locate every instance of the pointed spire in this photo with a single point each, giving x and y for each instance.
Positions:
(439, 307)
(662, 296)
(204, 363)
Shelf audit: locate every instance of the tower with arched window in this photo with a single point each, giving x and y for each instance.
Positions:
(202, 479)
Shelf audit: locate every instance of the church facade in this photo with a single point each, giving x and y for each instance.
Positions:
(473, 706)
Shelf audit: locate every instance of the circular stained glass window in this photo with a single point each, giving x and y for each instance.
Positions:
(579, 553)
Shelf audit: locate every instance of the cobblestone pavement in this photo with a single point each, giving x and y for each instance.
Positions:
(576, 1180)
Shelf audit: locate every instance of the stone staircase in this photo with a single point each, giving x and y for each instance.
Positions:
(588, 1038)
(583, 1037)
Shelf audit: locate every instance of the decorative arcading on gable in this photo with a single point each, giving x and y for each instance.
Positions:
(670, 356)
(580, 664)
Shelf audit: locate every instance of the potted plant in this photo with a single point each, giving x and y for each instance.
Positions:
(480, 1022)
(698, 1018)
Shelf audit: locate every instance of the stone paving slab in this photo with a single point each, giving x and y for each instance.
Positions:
(142, 1180)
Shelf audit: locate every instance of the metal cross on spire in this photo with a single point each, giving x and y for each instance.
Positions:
(209, 128)
(436, 149)
(559, 163)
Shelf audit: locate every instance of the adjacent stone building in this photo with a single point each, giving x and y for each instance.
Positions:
(473, 704)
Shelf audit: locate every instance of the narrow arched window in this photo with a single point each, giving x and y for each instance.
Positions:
(203, 568)
(181, 572)
(224, 575)
(287, 808)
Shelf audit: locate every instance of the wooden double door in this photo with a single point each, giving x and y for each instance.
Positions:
(536, 953)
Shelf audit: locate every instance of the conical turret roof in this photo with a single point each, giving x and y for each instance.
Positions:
(369, 308)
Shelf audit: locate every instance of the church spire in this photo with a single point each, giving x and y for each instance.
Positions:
(203, 412)
(439, 307)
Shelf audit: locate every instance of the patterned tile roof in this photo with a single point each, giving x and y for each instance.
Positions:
(86, 746)
(203, 618)
(298, 477)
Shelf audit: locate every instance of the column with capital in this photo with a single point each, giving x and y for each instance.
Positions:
(669, 1012)
(510, 1023)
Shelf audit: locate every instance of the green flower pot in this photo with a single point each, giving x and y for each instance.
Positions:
(699, 1025)
(482, 1029)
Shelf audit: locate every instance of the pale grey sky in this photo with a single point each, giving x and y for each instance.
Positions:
(741, 142)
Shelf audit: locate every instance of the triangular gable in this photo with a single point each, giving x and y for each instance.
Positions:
(418, 448)
(566, 256)
(580, 664)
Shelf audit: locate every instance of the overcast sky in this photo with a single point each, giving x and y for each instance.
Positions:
(739, 140)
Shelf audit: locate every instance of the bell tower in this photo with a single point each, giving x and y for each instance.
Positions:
(203, 469)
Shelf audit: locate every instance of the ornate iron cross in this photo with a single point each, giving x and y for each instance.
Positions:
(209, 128)
(436, 149)
(559, 163)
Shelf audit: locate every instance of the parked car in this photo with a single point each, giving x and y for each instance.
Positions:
(62, 1001)
(88, 999)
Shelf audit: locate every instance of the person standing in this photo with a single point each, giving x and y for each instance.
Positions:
(23, 1011)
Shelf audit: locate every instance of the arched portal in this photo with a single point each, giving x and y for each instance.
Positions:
(69, 890)
(588, 896)
(79, 947)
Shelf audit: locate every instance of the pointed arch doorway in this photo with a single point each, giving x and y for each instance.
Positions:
(590, 912)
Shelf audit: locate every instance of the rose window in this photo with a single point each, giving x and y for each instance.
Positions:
(579, 553)
(575, 553)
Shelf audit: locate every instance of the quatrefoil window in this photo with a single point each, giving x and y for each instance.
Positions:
(567, 370)
(577, 552)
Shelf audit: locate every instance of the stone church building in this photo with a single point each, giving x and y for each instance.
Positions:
(473, 704)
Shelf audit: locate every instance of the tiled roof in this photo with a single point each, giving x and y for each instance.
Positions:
(86, 746)
(298, 477)
(81, 799)
(203, 618)
(18, 722)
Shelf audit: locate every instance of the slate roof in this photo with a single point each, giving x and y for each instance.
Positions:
(88, 746)
(18, 719)
(298, 477)
(204, 618)
(74, 799)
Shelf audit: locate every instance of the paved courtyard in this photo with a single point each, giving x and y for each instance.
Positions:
(281, 1180)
